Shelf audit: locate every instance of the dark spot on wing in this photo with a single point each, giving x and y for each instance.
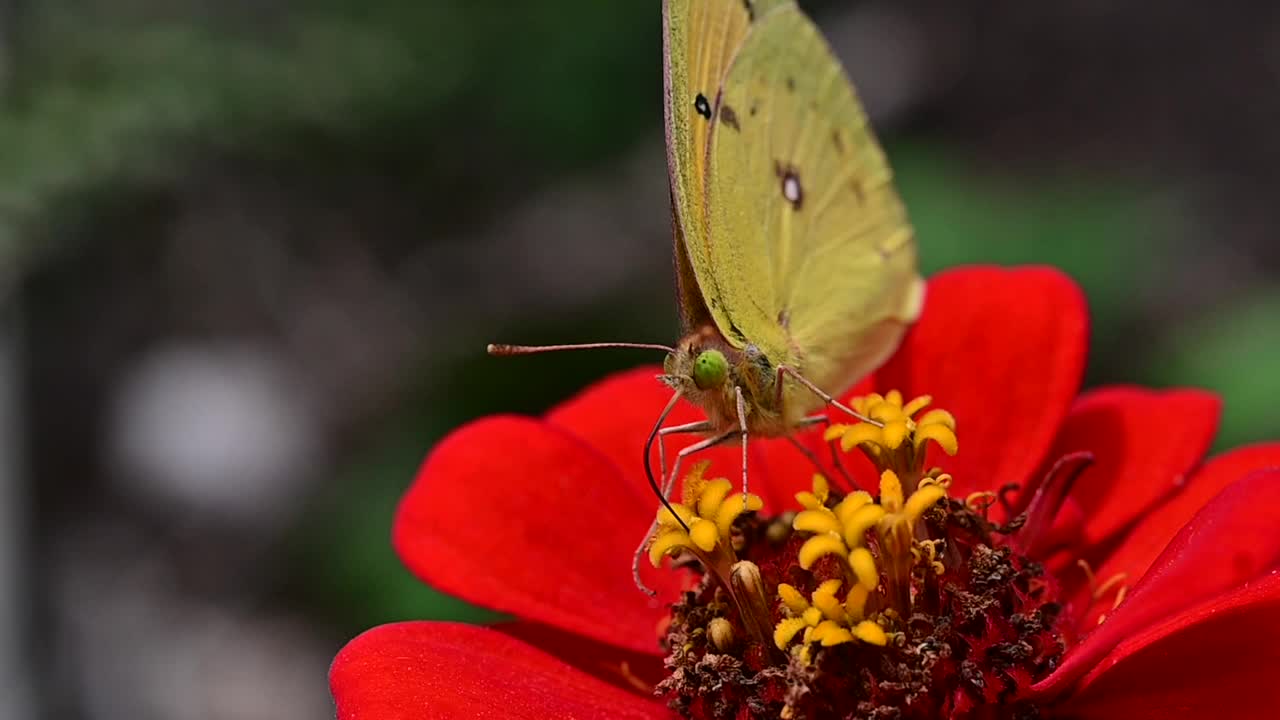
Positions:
(751, 11)
(729, 117)
(791, 83)
(858, 192)
(753, 109)
(838, 141)
(789, 177)
(703, 107)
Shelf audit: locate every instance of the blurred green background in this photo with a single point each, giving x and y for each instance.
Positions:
(250, 255)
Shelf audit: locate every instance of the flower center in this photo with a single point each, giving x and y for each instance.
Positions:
(906, 604)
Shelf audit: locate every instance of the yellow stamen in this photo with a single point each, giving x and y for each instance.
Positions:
(816, 521)
(818, 497)
(708, 511)
(864, 567)
(918, 404)
(818, 547)
(870, 633)
(896, 438)
(890, 492)
(939, 433)
(785, 631)
(921, 500)
(825, 619)
(792, 599)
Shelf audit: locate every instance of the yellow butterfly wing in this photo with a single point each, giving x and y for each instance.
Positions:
(700, 39)
(807, 245)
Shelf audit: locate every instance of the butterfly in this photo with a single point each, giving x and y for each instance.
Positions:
(795, 261)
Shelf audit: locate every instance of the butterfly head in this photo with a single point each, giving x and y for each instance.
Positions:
(701, 362)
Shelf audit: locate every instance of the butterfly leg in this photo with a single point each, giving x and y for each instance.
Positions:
(813, 457)
(783, 370)
(699, 426)
(669, 484)
(742, 430)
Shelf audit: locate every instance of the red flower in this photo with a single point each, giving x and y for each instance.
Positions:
(539, 519)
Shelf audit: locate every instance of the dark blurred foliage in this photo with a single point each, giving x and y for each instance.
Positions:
(252, 252)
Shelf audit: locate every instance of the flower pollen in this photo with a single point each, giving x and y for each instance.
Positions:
(908, 603)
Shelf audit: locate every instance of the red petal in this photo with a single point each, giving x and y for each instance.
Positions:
(617, 414)
(1153, 531)
(423, 670)
(1219, 660)
(1003, 350)
(1144, 444)
(632, 671)
(1231, 541)
(515, 515)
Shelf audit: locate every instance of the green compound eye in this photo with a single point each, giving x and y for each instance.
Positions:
(710, 369)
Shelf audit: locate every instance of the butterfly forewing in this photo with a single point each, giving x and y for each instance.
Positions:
(808, 243)
(700, 39)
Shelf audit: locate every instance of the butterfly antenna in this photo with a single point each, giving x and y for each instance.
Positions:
(653, 484)
(648, 469)
(501, 349)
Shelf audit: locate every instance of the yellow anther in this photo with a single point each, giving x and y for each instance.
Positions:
(921, 500)
(684, 512)
(835, 431)
(820, 546)
(829, 633)
(937, 417)
(731, 508)
(944, 436)
(817, 498)
(870, 633)
(704, 534)
(708, 512)
(890, 491)
(860, 403)
(885, 412)
(816, 521)
(895, 437)
(851, 503)
(824, 599)
(827, 587)
(694, 483)
(861, 433)
(812, 616)
(785, 631)
(855, 603)
(712, 495)
(826, 620)
(862, 520)
(864, 568)
(821, 488)
(916, 405)
(666, 543)
(792, 599)
(894, 432)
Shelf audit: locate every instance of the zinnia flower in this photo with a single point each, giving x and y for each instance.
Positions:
(1016, 551)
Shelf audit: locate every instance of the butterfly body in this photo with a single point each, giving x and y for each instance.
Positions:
(769, 413)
